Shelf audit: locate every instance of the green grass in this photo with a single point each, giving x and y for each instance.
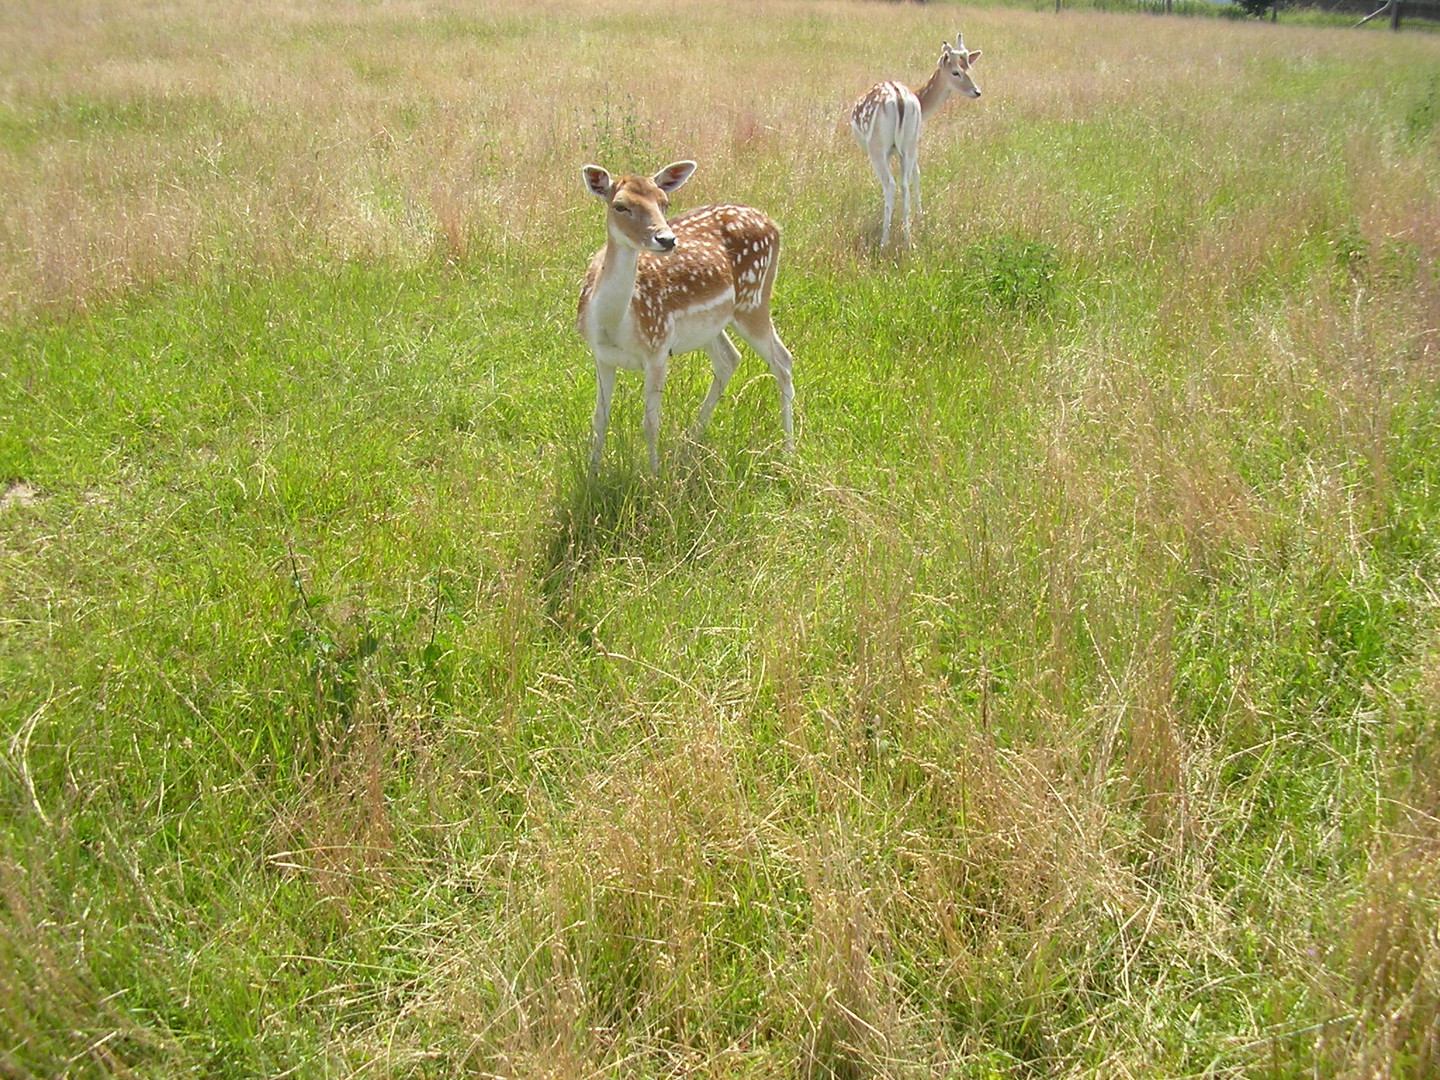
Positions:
(1064, 706)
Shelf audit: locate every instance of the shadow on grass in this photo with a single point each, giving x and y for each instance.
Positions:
(621, 512)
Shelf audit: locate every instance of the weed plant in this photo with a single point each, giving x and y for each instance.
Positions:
(1065, 706)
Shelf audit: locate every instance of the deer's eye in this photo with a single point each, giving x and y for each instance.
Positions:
(621, 209)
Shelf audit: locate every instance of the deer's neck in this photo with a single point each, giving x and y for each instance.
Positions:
(933, 94)
(615, 284)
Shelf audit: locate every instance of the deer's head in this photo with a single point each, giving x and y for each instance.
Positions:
(955, 61)
(635, 205)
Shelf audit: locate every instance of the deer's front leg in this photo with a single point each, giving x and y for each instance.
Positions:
(604, 390)
(654, 387)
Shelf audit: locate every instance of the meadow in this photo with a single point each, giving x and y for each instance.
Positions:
(1067, 704)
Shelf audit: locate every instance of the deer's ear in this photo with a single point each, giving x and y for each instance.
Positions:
(672, 176)
(597, 181)
(972, 57)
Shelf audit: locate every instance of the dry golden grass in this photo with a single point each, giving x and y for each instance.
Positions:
(150, 140)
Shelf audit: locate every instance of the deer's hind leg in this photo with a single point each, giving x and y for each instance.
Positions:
(757, 328)
(910, 169)
(725, 358)
(880, 162)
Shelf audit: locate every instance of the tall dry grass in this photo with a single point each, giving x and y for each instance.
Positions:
(152, 140)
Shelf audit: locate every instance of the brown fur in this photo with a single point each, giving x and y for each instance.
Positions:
(692, 274)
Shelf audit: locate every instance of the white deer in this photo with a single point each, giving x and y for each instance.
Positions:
(660, 287)
(887, 120)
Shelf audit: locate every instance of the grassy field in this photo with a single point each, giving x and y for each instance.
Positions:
(1068, 705)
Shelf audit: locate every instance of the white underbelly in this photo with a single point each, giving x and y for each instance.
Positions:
(616, 357)
(699, 326)
(621, 346)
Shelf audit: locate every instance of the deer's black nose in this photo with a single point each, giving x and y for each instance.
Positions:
(667, 243)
